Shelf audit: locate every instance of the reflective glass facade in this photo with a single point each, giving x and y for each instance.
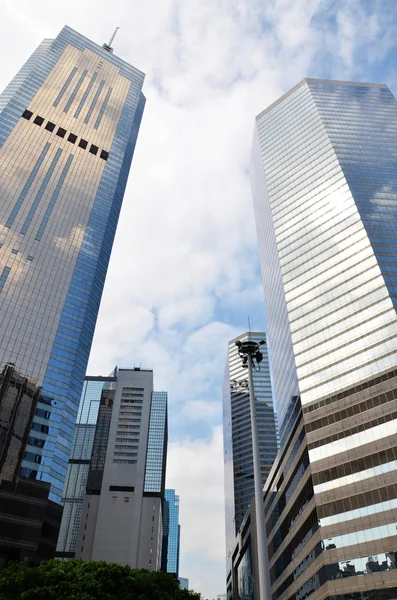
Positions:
(238, 459)
(157, 445)
(79, 462)
(323, 177)
(68, 127)
(171, 534)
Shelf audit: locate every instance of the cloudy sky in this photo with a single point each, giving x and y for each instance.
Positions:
(184, 271)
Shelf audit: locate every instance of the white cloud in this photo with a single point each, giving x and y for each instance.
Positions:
(185, 253)
(196, 471)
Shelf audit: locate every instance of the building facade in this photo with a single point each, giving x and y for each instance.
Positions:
(238, 456)
(171, 534)
(68, 126)
(184, 583)
(29, 521)
(18, 406)
(122, 512)
(94, 389)
(325, 193)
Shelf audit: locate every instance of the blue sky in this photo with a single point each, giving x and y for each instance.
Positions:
(184, 272)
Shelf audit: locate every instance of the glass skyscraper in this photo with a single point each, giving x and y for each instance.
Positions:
(68, 126)
(171, 534)
(79, 462)
(325, 192)
(238, 456)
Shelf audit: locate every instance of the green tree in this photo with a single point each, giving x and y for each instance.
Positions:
(88, 580)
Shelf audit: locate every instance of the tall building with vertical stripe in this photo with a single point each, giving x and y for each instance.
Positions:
(68, 126)
(324, 183)
(237, 434)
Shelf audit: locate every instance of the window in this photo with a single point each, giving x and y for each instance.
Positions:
(14, 251)
(50, 126)
(61, 132)
(72, 138)
(38, 121)
(83, 144)
(104, 154)
(27, 114)
(30, 257)
(126, 498)
(94, 149)
(114, 498)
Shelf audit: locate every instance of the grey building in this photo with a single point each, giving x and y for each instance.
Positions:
(123, 508)
(238, 456)
(324, 183)
(69, 122)
(95, 391)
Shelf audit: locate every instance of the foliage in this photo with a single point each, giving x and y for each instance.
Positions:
(88, 580)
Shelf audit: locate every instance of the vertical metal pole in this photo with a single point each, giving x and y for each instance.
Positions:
(263, 559)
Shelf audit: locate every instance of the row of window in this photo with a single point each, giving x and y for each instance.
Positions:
(355, 409)
(355, 466)
(353, 430)
(61, 132)
(358, 388)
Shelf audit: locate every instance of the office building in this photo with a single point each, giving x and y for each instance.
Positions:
(171, 534)
(68, 126)
(183, 583)
(122, 516)
(238, 455)
(29, 522)
(324, 183)
(18, 404)
(95, 391)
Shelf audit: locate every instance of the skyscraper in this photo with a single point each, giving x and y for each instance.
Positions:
(122, 510)
(171, 534)
(96, 391)
(68, 126)
(325, 193)
(238, 455)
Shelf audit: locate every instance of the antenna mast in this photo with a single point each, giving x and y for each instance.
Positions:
(108, 46)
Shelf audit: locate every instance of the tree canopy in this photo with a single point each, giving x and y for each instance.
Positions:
(88, 580)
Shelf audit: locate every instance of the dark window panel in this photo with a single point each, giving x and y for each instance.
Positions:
(38, 121)
(61, 132)
(72, 138)
(104, 154)
(27, 114)
(50, 126)
(83, 144)
(94, 149)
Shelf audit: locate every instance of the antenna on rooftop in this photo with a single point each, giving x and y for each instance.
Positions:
(108, 46)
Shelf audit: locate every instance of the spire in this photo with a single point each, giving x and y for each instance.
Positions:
(108, 46)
